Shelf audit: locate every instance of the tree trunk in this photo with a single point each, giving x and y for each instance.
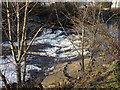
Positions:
(18, 72)
(25, 65)
(83, 32)
(119, 38)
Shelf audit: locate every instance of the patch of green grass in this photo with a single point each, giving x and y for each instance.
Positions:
(101, 78)
(109, 79)
(108, 82)
(69, 86)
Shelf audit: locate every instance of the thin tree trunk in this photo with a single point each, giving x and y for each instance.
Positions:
(10, 33)
(18, 72)
(25, 47)
(82, 55)
(24, 73)
(18, 30)
(119, 39)
(23, 31)
(83, 35)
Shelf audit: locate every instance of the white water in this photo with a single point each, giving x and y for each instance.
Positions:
(61, 45)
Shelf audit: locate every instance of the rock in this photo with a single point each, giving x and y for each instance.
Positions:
(34, 18)
(55, 78)
(78, 78)
(116, 62)
(36, 77)
(60, 83)
(106, 15)
(73, 69)
(37, 82)
(58, 78)
(58, 28)
(106, 65)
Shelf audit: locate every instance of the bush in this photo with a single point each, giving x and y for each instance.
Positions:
(106, 4)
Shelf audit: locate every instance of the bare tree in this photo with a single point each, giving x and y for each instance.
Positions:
(22, 47)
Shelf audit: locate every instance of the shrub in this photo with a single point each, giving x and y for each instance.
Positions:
(106, 4)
